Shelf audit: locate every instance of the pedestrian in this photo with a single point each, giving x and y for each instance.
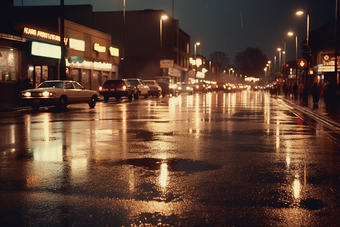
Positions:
(315, 93)
(295, 90)
(301, 90)
(326, 95)
(27, 84)
(290, 89)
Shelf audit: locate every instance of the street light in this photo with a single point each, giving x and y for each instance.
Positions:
(296, 52)
(296, 43)
(163, 17)
(279, 50)
(196, 44)
(299, 13)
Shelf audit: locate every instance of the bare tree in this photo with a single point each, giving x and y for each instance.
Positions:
(251, 62)
(221, 58)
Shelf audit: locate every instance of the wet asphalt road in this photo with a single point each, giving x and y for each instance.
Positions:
(241, 159)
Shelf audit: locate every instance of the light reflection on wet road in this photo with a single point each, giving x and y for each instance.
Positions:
(194, 160)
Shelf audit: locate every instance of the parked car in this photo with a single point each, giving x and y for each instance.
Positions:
(154, 88)
(200, 87)
(167, 84)
(58, 93)
(185, 88)
(142, 88)
(117, 89)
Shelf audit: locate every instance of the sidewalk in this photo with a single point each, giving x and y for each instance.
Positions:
(329, 117)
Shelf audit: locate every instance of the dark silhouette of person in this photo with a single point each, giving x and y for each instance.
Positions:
(295, 90)
(27, 84)
(315, 93)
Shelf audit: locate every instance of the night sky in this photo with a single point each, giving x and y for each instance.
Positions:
(229, 26)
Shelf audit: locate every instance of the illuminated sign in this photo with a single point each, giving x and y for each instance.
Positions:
(98, 48)
(329, 60)
(251, 79)
(77, 44)
(90, 65)
(46, 50)
(114, 52)
(43, 35)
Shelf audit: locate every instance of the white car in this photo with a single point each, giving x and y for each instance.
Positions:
(142, 88)
(58, 93)
(154, 88)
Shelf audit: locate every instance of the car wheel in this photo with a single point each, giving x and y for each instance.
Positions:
(158, 94)
(130, 97)
(62, 103)
(117, 98)
(93, 102)
(106, 98)
(147, 95)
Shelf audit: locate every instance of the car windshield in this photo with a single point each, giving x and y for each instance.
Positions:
(51, 85)
(149, 82)
(162, 80)
(134, 82)
(114, 83)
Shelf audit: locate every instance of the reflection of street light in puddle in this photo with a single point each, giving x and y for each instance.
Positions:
(163, 177)
(296, 188)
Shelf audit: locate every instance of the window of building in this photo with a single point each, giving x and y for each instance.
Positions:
(9, 64)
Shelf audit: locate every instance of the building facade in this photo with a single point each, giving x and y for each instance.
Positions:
(151, 46)
(30, 48)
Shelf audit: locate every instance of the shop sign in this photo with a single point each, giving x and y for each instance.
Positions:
(42, 35)
(174, 72)
(329, 60)
(77, 44)
(114, 52)
(99, 48)
(46, 50)
(166, 64)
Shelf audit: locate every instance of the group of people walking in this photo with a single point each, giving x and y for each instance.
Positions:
(330, 93)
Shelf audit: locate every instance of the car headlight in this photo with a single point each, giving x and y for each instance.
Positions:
(27, 94)
(188, 88)
(179, 88)
(100, 88)
(47, 94)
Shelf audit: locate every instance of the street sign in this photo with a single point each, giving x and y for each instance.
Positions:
(302, 63)
(192, 73)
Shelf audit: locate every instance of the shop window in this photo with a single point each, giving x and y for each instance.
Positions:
(9, 64)
(96, 77)
(37, 75)
(75, 75)
(85, 77)
(44, 73)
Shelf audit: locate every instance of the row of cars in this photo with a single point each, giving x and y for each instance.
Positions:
(60, 93)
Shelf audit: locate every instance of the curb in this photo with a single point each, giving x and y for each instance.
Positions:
(307, 111)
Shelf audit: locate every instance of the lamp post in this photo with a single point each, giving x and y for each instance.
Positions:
(123, 51)
(164, 17)
(62, 66)
(296, 52)
(279, 50)
(299, 13)
(196, 64)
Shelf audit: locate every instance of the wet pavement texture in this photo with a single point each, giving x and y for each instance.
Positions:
(216, 159)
